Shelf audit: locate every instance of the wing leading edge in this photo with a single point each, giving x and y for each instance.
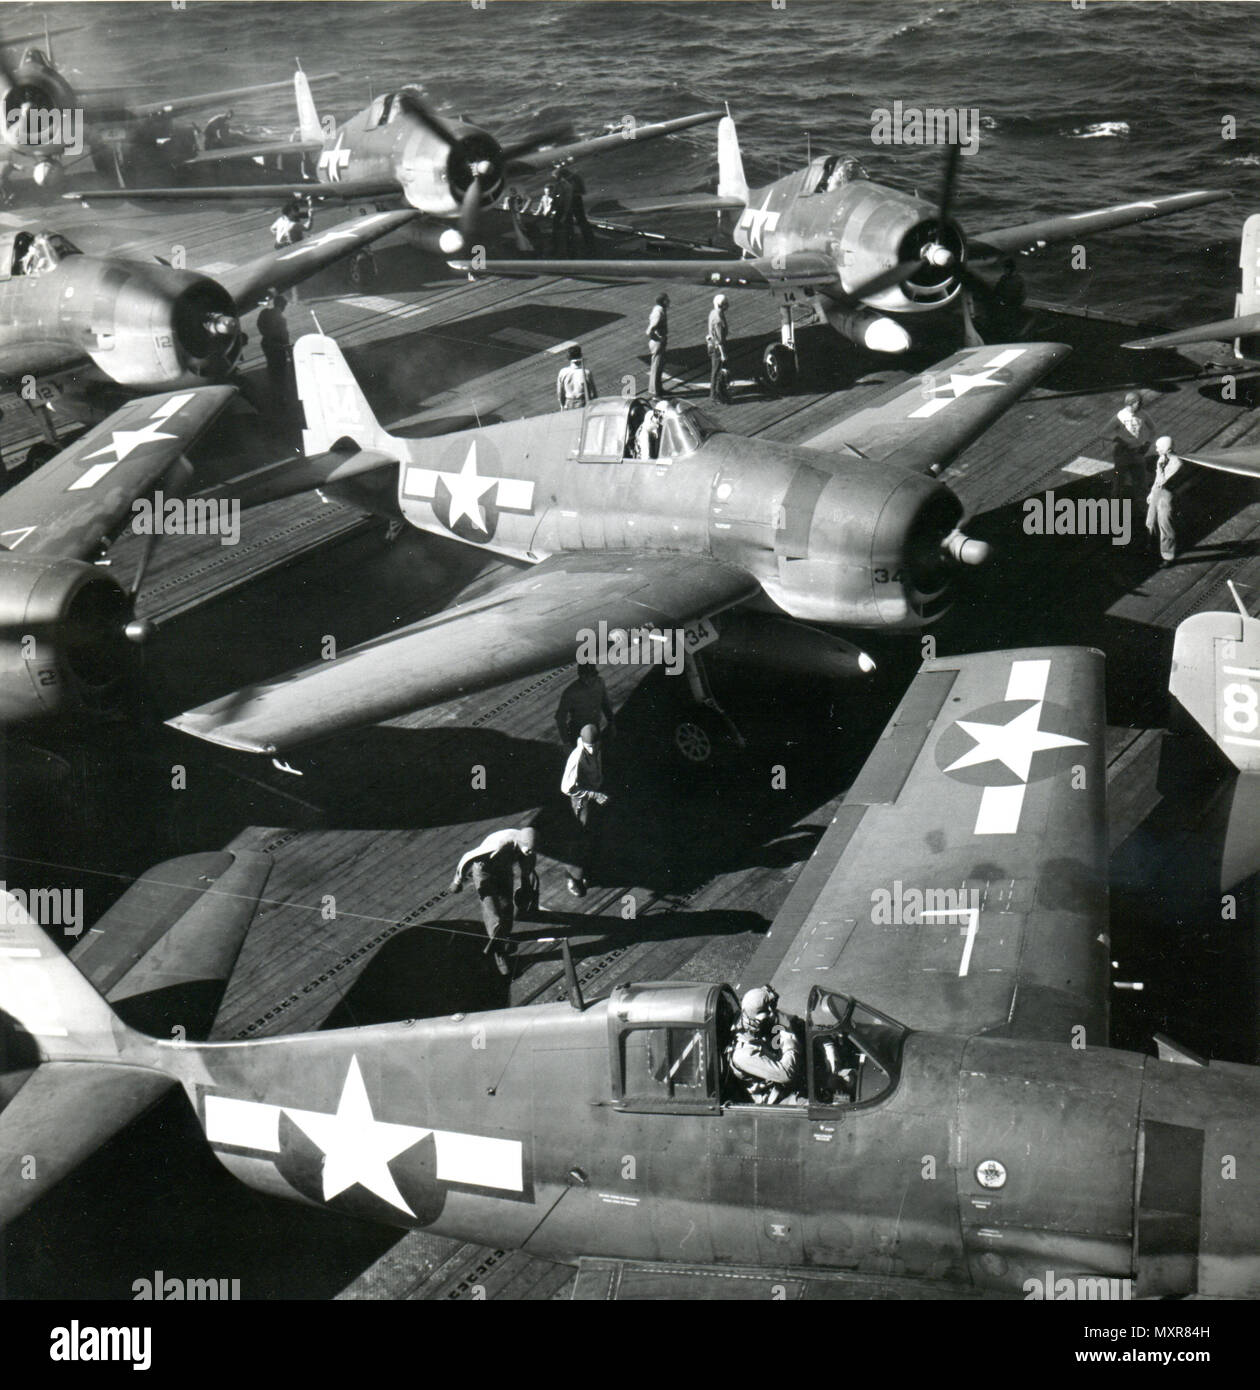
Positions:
(962, 886)
(524, 626)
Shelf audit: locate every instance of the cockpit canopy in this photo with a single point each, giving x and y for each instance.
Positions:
(832, 171)
(642, 429)
(670, 1043)
(33, 253)
(384, 110)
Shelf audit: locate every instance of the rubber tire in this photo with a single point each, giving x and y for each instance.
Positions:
(778, 367)
(695, 736)
(362, 271)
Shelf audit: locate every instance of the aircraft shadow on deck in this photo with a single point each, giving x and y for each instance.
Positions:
(400, 373)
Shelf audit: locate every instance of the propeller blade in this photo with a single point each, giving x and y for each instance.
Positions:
(414, 107)
(176, 483)
(948, 183)
(470, 212)
(886, 279)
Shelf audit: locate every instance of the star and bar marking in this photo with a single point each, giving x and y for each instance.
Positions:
(467, 488)
(358, 1147)
(123, 443)
(962, 382)
(1012, 744)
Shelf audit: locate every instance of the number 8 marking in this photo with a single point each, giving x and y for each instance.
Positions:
(1241, 707)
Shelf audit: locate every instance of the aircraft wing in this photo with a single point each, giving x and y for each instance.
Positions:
(1244, 460)
(796, 268)
(962, 886)
(192, 103)
(347, 190)
(929, 419)
(226, 152)
(286, 265)
(527, 625)
(1029, 234)
(83, 495)
(1222, 331)
(619, 140)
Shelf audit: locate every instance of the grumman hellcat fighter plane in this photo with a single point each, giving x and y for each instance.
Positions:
(67, 625)
(882, 267)
(959, 1126)
(48, 124)
(635, 514)
(71, 319)
(398, 147)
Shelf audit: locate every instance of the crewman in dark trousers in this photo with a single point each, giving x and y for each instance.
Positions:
(493, 864)
(581, 783)
(584, 702)
(273, 333)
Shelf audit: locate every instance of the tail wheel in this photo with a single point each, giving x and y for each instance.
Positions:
(778, 366)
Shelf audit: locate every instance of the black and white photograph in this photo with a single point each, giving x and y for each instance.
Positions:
(629, 659)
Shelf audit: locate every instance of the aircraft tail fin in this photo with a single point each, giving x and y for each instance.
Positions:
(1247, 302)
(309, 128)
(731, 180)
(334, 404)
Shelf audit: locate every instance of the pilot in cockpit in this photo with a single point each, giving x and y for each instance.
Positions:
(31, 255)
(838, 173)
(765, 1056)
(647, 437)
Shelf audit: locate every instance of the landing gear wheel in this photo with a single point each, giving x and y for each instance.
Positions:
(695, 736)
(778, 366)
(362, 270)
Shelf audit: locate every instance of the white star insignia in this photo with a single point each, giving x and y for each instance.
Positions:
(357, 1147)
(1012, 744)
(467, 490)
(124, 442)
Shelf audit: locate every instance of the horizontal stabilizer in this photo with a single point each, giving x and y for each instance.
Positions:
(292, 476)
(1244, 461)
(163, 954)
(258, 151)
(59, 1115)
(679, 202)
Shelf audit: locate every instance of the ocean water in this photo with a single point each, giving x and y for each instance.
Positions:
(1078, 107)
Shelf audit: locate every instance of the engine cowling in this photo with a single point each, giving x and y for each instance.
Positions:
(150, 327)
(63, 639)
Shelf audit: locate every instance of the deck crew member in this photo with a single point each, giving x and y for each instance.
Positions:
(217, 131)
(584, 702)
(293, 223)
(577, 207)
(658, 338)
(575, 386)
(581, 783)
(1132, 448)
(1160, 511)
(715, 341)
(273, 333)
(493, 864)
(765, 1054)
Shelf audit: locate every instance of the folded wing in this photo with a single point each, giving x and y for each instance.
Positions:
(926, 421)
(84, 494)
(962, 886)
(529, 624)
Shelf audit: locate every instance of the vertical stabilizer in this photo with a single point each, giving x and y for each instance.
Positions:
(1248, 299)
(731, 180)
(334, 406)
(309, 128)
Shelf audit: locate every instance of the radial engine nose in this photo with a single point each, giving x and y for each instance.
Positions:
(222, 325)
(964, 549)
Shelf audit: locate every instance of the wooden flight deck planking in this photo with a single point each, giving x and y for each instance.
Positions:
(296, 965)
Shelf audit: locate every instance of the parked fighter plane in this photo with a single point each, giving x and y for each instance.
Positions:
(66, 624)
(637, 514)
(141, 324)
(1244, 328)
(162, 956)
(961, 1132)
(880, 266)
(398, 147)
(46, 122)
